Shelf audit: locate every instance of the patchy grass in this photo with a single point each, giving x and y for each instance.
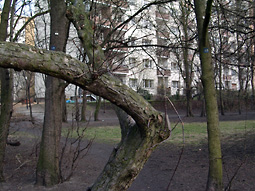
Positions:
(108, 134)
(195, 133)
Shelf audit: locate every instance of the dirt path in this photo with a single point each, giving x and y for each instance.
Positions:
(191, 174)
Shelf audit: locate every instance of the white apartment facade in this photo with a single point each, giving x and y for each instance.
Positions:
(146, 64)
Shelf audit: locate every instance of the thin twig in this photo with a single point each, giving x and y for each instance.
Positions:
(182, 150)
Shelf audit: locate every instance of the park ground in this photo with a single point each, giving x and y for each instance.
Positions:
(190, 174)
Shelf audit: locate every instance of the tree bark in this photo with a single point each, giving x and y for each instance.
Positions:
(6, 91)
(47, 172)
(128, 158)
(214, 182)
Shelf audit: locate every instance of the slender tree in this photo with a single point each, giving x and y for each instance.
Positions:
(47, 172)
(187, 63)
(203, 14)
(6, 90)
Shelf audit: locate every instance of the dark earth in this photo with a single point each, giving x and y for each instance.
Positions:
(190, 175)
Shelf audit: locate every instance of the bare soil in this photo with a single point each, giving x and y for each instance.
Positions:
(190, 175)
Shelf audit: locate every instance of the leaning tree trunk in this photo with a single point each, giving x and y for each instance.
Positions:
(215, 158)
(47, 172)
(6, 91)
(129, 157)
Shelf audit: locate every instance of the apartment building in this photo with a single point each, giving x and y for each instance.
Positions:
(143, 53)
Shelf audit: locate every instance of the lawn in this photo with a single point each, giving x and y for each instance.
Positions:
(194, 133)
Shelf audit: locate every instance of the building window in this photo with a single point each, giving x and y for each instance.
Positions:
(227, 85)
(175, 84)
(132, 62)
(132, 2)
(234, 72)
(101, 37)
(133, 83)
(147, 63)
(146, 42)
(162, 83)
(132, 41)
(147, 24)
(174, 66)
(226, 71)
(119, 18)
(148, 83)
(234, 86)
(87, 7)
(163, 63)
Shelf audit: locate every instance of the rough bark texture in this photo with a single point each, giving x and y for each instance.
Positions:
(6, 91)
(6, 112)
(215, 158)
(143, 138)
(128, 158)
(47, 172)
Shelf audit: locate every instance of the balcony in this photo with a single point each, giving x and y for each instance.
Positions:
(163, 52)
(163, 72)
(164, 16)
(118, 69)
(227, 77)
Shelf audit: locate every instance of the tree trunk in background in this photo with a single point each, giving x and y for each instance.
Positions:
(187, 63)
(221, 103)
(98, 106)
(203, 14)
(84, 105)
(6, 91)
(239, 60)
(47, 172)
(77, 105)
(253, 60)
(64, 110)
